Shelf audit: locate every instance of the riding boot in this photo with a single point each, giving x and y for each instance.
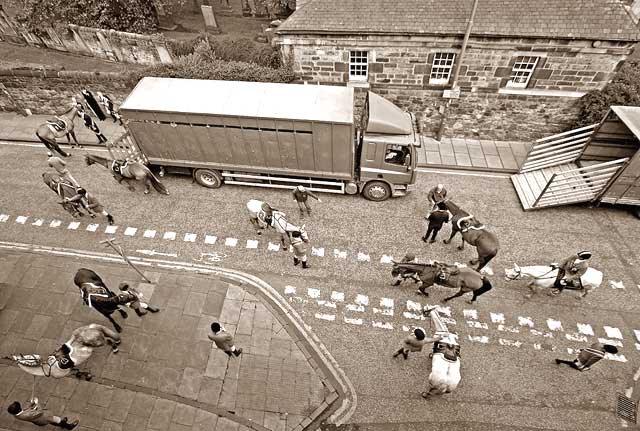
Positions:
(110, 219)
(398, 353)
(139, 312)
(123, 313)
(152, 309)
(66, 425)
(296, 261)
(305, 265)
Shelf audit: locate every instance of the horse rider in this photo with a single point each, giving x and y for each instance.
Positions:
(436, 195)
(37, 414)
(408, 258)
(90, 124)
(571, 270)
(108, 106)
(445, 343)
(132, 297)
(89, 203)
(61, 168)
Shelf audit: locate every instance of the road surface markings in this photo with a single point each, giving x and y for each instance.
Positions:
(92, 227)
(74, 225)
(55, 223)
(4, 218)
(38, 222)
(317, 251)
(21, 219)
(170, 236)
(412, 312)
(190, 237)
(273, 247)
(149, 233)
(231, 242)
(252, 243)
(111, 229)
(130, 231)
(210, 239)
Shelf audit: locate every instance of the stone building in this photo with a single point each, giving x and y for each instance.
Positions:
(526, 65)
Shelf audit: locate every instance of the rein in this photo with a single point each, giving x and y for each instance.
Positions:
(539, 277)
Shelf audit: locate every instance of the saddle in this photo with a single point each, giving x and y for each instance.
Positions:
(118, 166)
(63, 358)
(450, 352)
(58, 124)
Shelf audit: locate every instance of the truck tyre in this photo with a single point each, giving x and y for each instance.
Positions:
(376, 191)
(208, 178)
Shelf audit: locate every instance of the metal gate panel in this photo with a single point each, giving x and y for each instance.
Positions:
(124, 147)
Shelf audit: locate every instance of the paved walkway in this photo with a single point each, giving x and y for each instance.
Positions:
(167, 375)
(482, 155)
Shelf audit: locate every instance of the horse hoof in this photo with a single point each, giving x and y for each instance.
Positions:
(528, 296)
(425, 395)
(259, 233)
(445, 241)
(459, 247)
(88, 377)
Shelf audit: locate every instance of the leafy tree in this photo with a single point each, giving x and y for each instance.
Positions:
(624, 89)
(136, 16)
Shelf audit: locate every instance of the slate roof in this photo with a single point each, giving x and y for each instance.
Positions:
(573, 19)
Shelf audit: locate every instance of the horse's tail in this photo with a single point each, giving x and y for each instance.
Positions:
(155, 182)
(486, 286)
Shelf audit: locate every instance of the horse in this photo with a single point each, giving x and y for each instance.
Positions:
(284, 228)
(97, 295)
(64, 189)
(473, 232)
(124, 169)
(463, 278)
(544, 276)
(48, 132)
(445, 359)
(66, 359)
(260, 214)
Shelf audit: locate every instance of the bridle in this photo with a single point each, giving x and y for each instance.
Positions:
(519, 275)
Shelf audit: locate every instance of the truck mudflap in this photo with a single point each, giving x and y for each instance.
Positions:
(124, 147)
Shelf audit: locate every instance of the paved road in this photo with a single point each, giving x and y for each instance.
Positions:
(508, 342)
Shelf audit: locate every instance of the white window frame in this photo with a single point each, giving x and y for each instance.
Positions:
(358, 66)
(442, 63)
(522, 71)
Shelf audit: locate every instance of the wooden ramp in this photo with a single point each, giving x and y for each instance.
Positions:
(550, 177)
(124, 147)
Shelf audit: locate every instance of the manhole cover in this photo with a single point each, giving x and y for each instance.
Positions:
(627, 409)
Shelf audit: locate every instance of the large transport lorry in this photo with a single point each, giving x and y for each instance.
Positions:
(273, 135)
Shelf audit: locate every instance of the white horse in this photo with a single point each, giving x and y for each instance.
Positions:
(284, 228)
(544, 276)
(70, 355)
(445, 371)
(261, 214)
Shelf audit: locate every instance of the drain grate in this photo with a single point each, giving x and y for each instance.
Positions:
(627, 409)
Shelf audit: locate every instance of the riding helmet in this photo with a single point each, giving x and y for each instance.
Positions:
(584, 255)
(419, 333)
(410, 256)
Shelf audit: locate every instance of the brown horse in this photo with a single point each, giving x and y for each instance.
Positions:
(123, 169)
(465, 279)
(48, 133)
(64, 189)
(473, 232)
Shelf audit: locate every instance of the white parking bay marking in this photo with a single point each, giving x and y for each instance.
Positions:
(325, 303)
(613, 332)
(55, 223)
(362, 300)
(289, 290)
(38, 222)
(470, 314)
(478, 339)
(479, 325)
(354, 307)
(554, 325)
(4, 218)
(330, 317)
(313, 293)
(73, 225)
(273, 247)
(386, 307)
(386, 259)
(525, 321)
(337, 296)
(130, 231)
(576, 337)
(363, 257)
(414, 306)
(231, 242)
(585, 328)
(190, 237)
(210, 239)
(317, 251)
(149, 233)
(171, 236)
(382, 325)
(637, 334)
(616, 284)
(339, 254)
(111, 229)
(353, 321)
(93, 227)
(617, 343)
(252, 243)
(497, 317)
(511, 343)
(21, 219)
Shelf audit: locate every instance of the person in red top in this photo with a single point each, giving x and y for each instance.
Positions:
(589, 356)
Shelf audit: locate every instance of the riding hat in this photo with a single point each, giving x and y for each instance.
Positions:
(584, 255)
(215, 327)
(419, 333)
(410, 256)
(300, 188)
(81, 191)
(610, 349)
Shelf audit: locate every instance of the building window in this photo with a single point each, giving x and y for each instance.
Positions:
(521, 72)
(358, 65)
(441, 68)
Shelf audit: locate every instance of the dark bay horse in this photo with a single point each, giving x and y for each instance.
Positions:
(123, 169)
(48, 133)
(465, 279)
(473, 232)
(64, 189)
(97, 295)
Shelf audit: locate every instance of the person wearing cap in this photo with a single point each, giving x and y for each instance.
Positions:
(89, 203)
(414, 343)
(223, 340)
(134, 301)
(90, 124)
(37, 414)
(436, 195)
(589, 356)
(436, 219)
(408, 258)
(571, 269)
(61, 168)
(301, 195)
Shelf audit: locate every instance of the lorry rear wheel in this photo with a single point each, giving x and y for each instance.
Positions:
(208, 178)
(376, 191)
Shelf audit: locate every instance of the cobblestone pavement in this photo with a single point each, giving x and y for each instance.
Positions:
(167, 375)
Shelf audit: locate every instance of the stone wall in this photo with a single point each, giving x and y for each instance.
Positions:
(49, 91)
(110, 45)
(399, 69)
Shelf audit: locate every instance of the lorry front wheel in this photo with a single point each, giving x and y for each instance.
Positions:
(208, 178)
(376, 191)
